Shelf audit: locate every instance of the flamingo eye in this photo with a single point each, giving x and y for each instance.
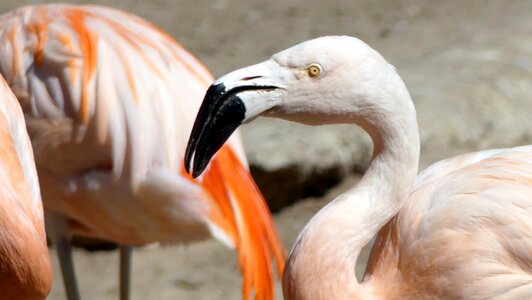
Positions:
(314, 70)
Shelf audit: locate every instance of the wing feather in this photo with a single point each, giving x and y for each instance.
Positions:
(101, 87)
(472, 225)
(126, 82)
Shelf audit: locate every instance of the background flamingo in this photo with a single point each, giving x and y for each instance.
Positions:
(25, 271)
(462, 232)
(109, 101)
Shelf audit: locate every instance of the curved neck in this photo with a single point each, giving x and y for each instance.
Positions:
(322, 262)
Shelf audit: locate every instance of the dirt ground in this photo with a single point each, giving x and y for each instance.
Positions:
(227, 34)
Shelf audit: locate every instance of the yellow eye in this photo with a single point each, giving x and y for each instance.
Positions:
(314, 70)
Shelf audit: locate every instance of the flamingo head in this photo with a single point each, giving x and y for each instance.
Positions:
(333, 79)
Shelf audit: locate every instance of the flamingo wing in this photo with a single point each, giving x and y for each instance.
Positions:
(109, 101)
(469, 219)
(109, 77)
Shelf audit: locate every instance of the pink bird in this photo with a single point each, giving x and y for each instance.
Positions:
(109, 101)
(462, 229)
(25, 268)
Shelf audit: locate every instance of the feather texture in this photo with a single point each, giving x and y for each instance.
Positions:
(109, 101)
(25, 269)
(466, 220)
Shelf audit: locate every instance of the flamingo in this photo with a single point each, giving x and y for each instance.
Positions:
(25, 268)
(109, 101)
(462, 229)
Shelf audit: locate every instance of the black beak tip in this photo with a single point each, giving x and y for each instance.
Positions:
(188, 154)
(197, 172)
(194, 169)
(218, 117)
(188, 169)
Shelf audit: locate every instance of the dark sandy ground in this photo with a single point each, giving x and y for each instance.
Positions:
(227, 34)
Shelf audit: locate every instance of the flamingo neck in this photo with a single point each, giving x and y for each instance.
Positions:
(322, 262)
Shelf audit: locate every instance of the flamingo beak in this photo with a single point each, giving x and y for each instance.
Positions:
(228, 103)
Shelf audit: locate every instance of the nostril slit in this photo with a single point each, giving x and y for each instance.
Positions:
(250, 78)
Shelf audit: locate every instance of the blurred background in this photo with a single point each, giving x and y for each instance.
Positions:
(468, 66)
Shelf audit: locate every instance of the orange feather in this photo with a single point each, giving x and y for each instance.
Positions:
(247, 221)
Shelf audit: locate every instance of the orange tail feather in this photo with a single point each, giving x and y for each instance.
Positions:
(244, 216)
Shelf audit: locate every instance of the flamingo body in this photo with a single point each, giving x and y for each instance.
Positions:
(467, 220)
(109, 100)
(462, 229)
(25, 269)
